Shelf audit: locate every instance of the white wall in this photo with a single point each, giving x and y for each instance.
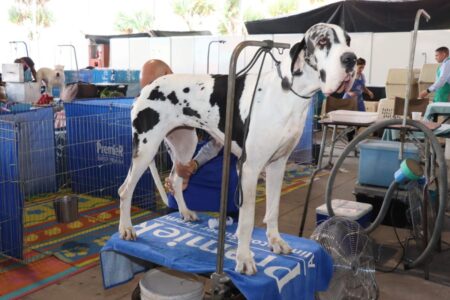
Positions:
(382, 51)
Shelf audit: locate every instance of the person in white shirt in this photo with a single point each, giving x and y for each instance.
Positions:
(441, 87)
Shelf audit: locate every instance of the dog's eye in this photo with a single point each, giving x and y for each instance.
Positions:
(323, 41)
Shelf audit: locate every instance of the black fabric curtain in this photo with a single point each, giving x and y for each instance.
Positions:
(361, 16)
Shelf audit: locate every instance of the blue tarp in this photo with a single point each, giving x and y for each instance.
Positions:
(192, 247)
(203, 191)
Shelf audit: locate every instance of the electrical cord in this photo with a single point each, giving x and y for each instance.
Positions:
(442, 175)
(391, 214)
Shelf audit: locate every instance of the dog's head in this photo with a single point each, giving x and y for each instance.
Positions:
(325, 49)
(59, 70)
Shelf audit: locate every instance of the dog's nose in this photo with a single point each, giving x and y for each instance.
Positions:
(348, 60)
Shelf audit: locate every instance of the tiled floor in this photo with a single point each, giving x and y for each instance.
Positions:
(399, 284)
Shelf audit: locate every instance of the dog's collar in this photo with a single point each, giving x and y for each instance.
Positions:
(286, 84)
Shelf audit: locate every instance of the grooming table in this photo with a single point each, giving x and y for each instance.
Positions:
(192, 246)
(350, 123)
(437, 109)
(392, 133)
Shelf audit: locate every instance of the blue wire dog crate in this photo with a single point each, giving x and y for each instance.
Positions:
(27, 169)
(99, 147)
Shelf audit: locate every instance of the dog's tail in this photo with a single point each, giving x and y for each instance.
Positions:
(158, 183)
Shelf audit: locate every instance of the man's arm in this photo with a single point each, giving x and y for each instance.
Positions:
(208, 152)
(445, 75)
(205, 154)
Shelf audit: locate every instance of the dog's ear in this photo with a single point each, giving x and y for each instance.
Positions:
(348, 39)
(297, 60)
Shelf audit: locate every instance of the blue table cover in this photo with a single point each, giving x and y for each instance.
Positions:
(192, 247)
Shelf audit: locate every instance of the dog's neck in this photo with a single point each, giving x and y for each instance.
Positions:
(304, 83)
(307, 83)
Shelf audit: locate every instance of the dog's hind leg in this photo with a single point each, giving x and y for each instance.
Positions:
(182, 143)
(249, 179)
(274, 180)
(138, 165)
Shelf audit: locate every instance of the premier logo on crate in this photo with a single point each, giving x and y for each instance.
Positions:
(112, 153)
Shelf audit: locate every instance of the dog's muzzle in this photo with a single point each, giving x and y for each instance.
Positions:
(348, 60)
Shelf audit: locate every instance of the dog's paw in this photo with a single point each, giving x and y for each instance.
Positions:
(189, 215)
(279, 246)
(127, 232)
(245, 264)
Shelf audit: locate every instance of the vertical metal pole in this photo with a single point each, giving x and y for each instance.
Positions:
(412, 51)
(207, 55)
(21, 42)
(75, 54)
(218, 278)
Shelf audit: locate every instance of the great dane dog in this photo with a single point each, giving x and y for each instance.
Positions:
(171, 106)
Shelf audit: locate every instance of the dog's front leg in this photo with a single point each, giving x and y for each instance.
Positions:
(50, 89)
(244, 259)
(274, 181)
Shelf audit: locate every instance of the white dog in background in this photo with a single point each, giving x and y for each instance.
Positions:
(51, 78)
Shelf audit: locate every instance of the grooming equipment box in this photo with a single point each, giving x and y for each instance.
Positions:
(12, 73)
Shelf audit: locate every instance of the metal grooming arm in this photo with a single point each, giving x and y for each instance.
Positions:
(209, 48)
(412, 51)
(75, 54)
(219, 279)
(21, 42)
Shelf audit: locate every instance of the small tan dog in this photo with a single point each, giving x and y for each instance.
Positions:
(51, 78)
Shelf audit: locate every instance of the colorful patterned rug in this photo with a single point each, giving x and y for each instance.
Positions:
(61, 250)
(57, 250)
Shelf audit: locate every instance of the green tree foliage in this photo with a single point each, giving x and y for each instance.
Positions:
(231, 22)
(21, 13)
(137, 22)
(193, 10)
(283, 7)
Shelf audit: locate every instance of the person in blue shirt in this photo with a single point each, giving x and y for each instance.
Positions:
(359, 85)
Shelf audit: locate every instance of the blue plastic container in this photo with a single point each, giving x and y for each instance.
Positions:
(85, 75)
(127, 76)
(379, 160)
(103, 76)
(70, 76)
